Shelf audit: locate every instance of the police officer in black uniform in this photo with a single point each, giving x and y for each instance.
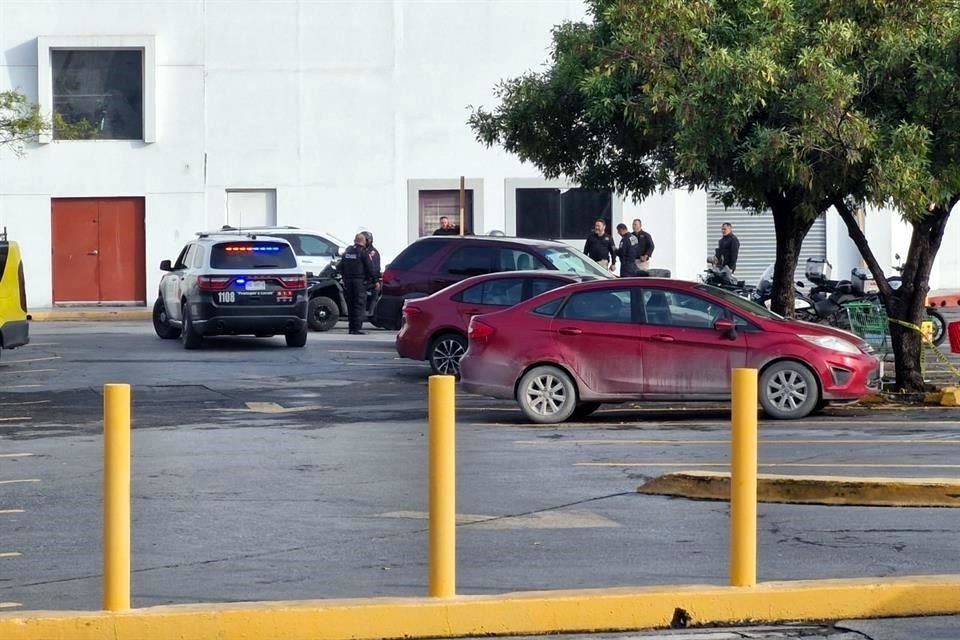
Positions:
(356, 269)
(728, 249)
(599, 246)
(628, 252)
(373, 287)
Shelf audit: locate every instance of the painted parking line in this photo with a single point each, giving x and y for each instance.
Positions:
(16, 419)
(22, 360)
(21, 386)
(10, 605)
(10, 511)
(790, 441)
(9, 554)
(721, 423)
(773, 465)
(23, 372)
(380, 352)
(15, 455)
(23, 403)
(19, 481)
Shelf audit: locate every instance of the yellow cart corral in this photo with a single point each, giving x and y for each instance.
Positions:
(14, 326)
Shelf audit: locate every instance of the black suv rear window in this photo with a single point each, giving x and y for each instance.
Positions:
(252, 255)
(415, 254)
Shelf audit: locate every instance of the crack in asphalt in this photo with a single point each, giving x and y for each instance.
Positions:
(275, 552)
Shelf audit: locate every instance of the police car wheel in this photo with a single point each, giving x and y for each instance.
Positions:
(161, 322)
(297, 338)
(322, 314)
(191, 339)
(547, 395)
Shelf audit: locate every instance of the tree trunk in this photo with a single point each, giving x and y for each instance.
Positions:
(907, 303)
(791, 229)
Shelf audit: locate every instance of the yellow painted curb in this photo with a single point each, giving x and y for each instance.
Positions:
(510, 614)
(826, 490)
(91, 315)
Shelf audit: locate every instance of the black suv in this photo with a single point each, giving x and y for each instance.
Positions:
(435, 262)
(232, 285)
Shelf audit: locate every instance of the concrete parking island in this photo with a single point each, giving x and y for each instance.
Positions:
(509, 614)
(824, 490)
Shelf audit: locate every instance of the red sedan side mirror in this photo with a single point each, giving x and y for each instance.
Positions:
(726, 327)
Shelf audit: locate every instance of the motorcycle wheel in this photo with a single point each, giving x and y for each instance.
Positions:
(939, 326)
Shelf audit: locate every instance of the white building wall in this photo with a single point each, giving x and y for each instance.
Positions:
(336, 104)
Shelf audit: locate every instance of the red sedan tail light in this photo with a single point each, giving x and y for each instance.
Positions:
(409, 310)
(479, 330)
(389, 276)
(214, 283)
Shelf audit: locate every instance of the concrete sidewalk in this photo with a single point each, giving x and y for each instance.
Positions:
(92, 313)
(932, 628)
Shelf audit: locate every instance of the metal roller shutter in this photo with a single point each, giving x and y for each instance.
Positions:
(758, 246)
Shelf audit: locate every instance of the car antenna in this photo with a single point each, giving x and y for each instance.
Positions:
(3, 236)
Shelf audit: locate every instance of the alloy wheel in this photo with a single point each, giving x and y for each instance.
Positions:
(446, 356)
(787, 390)
(546, 395)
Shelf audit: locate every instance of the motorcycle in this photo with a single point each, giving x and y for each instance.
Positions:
(831, 297)
(934, 316)
(327, 302)
(802, 304)
(723, 278)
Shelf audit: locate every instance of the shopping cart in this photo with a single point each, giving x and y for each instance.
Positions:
(869, 321)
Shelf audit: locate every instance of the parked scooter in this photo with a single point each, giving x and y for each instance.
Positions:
(802, 305)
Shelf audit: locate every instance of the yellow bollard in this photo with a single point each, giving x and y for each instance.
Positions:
(743, 480)
(116, 497)
(443, 488)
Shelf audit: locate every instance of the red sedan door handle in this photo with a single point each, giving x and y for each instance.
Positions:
(570, 331)
(661, 337)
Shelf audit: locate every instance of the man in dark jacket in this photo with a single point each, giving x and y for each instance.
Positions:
(356, 270)
(627, 252)
(645, 245)
(446, 228)
(599, 246)
(728, 249)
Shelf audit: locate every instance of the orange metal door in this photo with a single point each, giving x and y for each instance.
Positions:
(98, 250)
(122, 269)
(75, 250)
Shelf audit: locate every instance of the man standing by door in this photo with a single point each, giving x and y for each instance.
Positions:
(356, 270)
(446, 229)
(645, 245)
(728, 249)
(627, 252)
(599, 246)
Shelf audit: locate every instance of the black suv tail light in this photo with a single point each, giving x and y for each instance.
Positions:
(214, 283)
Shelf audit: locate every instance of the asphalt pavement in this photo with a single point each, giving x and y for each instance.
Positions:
(263, 472)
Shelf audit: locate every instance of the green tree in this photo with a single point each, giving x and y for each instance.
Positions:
(783, 105)
(735, 96)
(910, 73)
(20, 121)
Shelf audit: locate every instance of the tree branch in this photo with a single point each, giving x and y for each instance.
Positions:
(856, 234)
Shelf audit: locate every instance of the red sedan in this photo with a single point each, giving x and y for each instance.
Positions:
(564, 353)
(434, 328)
